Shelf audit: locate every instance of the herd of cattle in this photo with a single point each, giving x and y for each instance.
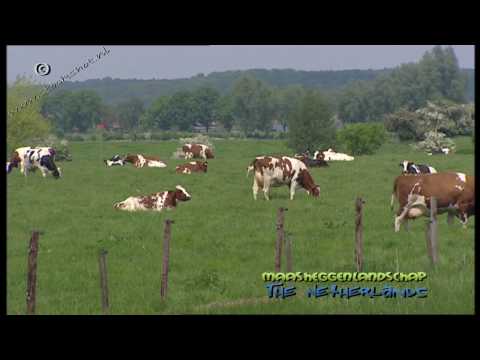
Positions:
(455, 192)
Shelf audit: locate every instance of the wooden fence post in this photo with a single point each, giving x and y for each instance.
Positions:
(280, 238)
(166, 258)
(359, 234)
(102, 262)
(432, 232)
(32, 273)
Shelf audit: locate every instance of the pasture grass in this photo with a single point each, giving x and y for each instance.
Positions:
(222, 240)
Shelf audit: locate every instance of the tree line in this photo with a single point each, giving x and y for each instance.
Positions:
(310, 116)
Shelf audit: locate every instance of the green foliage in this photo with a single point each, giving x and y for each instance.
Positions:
(252, 105)
(181, 110)
(68, 110)
(406, 124)
(224, 112)
(434, 142)
(311, 123)
(435, 77)
(444, 116)
(129, 113)
(28, 123)
(205, 105)
(362, 139)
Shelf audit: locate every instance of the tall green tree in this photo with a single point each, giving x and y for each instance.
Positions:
(311, 125)
(285, 101)
(156, 115)
(181, 110)
(205, 102)
(25, 121)
(81, 109)
(129, 113)
(253, 105)
(224, 112)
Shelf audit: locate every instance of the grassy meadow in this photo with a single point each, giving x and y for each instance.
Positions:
(222, 240)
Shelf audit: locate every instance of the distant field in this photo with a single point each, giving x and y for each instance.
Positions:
(222, 240)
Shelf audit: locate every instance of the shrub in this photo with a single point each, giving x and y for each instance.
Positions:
(361, 139)
(434, 142)
(74, 137)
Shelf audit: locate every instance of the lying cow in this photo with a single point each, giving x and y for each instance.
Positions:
(116, 160)
(155, 202)
(455, 194)
(330, 155)
(194, 166)
(408, 167)
(192, 151)
(139, 161)
(444, 151)
(311, 162)
(32, 158)
(277, 171)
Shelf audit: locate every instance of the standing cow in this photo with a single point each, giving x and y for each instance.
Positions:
(31, 158)
(277, 171)
(455, 193)
(197, 151)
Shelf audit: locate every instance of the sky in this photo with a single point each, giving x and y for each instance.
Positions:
(172, 62)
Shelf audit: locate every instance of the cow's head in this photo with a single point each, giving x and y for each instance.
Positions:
(209, 153)
(14, 161)
(47, 161)
(203, 166)
(405, 165)
(181, 194)
(306, 181)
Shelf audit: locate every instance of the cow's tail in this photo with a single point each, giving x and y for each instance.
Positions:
(394, 194)
(249, 169)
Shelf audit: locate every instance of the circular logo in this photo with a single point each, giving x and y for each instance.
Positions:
(42, 69)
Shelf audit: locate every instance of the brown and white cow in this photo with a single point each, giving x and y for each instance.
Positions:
(139, 161)
(455, 194)
(155, 202)
(277, 171)
(194, 166)
(197, 151)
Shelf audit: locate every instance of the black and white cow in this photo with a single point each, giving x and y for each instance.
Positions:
(43, 159)
(408, 167)
(116, 160)
(31, 158)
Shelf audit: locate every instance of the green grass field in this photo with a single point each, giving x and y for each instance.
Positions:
(222, 240)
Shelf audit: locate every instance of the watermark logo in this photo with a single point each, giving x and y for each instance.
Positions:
(42, 69)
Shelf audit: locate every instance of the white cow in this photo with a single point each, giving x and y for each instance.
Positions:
(331, 155)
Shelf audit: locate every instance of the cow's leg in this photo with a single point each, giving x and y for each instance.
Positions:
(266, 188)
(399, 219)
(22, 167)
(292, 190)
(255, 188)
(44, 172)
(450, 217)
